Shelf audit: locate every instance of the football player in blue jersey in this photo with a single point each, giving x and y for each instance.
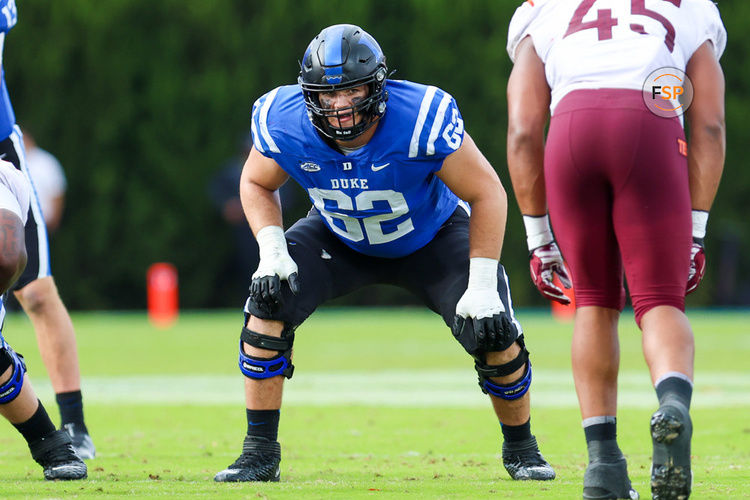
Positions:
(51, 448)
(35, 289)
(401, 195)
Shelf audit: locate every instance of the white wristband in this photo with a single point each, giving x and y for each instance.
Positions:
(538, 231)
(271, 242)
(700, 219)
(482, 273)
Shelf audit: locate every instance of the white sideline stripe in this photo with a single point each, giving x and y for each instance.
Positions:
(396, 389)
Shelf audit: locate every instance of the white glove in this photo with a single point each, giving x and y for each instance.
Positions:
(275, 266)
(481, 308)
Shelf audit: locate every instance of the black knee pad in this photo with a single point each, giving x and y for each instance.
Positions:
(513, 390)
(10, 389)
(263, 368)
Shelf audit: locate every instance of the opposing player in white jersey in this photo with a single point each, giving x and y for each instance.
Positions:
(619, 183)
(51, 448)
(387, 165)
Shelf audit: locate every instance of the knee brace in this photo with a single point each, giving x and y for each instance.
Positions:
(262, 368)
(12, 388)
(513, 390)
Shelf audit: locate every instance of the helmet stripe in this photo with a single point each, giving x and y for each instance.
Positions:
(333, 60)
(421, 118)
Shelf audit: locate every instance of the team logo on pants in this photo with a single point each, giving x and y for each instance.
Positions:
(667, 92)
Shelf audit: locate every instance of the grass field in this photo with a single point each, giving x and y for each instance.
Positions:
(383, 404)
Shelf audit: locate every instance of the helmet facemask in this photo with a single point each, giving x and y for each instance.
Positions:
(343, 57)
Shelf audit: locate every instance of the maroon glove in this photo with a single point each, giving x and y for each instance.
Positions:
(546, 260)
(697, 266)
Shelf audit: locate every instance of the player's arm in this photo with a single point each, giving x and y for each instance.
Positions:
(705, 118)
(259, 183)
(528, 112)
(471, 177)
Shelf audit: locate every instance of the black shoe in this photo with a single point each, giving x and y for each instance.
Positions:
(82, 443)
(55, 453)
(671, 431)
(523, 461)
(259, 462)
(606, 476)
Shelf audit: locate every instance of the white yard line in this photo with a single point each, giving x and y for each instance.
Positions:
(406, 389)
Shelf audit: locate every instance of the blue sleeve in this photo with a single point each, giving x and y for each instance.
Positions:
(439, 127)
(8, 15)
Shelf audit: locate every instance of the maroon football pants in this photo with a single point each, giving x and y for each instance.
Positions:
(618, 196)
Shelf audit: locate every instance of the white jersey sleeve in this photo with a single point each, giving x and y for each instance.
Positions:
(15, 190)
(521, 24)
(710, 29)
(613, 43)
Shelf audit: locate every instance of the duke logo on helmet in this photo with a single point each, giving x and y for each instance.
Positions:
(341, 57)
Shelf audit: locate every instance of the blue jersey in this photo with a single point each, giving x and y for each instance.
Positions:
(383, 199)
(8, 19)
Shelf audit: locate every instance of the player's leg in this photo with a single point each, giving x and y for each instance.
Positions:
(579, 196)
(505, 374)
(35, 290)
(327, 269)
(51, 448)
(653, 223)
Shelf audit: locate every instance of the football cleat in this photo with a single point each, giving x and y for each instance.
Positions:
(56, 455)
(524, 461)
(82, 443)
(671, 431)
(606, 477)
(259, 461)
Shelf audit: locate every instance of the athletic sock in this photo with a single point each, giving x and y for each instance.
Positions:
(602, 428)
(263, 423)
(71, 409)
(674, 385)
(514, 433)
(37, 427)
(601, 438)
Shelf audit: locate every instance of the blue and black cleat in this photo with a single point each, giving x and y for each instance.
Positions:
(56, 455)
(525, 462)
(259, 461)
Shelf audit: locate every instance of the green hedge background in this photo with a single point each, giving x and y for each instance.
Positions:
(142, 101)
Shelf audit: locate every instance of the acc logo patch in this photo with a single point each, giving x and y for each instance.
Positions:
(309, 166)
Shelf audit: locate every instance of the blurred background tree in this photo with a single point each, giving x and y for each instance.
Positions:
(143, 102)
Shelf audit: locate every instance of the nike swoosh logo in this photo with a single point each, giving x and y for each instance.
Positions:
(380, 167)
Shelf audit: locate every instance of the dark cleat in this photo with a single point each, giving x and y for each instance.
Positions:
(259, 461)
(56, 455)
(524, 461)
(671, 431)
(82, 443)
(606, 477)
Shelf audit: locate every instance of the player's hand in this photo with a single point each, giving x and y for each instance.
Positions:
(545, 262)
(482, 312)
(265, 288)
(697, 265)
(275, 266)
